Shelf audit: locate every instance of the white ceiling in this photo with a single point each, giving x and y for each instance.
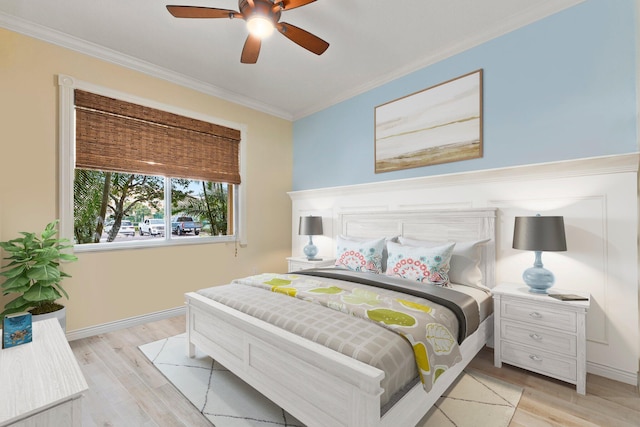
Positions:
(371, 42)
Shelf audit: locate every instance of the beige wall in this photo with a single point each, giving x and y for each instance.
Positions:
(114, 285)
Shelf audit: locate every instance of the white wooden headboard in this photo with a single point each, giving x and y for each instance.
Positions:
(455, 225)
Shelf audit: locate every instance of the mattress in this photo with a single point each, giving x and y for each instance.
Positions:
(482, 297)
(357, 338)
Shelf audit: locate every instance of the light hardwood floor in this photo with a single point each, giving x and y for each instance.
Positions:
(126, 390)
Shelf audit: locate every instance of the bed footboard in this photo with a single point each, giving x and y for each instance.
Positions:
(315, 384)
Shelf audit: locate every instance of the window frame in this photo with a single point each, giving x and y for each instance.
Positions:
(67, 85)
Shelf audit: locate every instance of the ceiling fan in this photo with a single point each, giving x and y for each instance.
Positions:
(262, 18)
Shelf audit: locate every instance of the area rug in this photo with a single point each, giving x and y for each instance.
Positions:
(474, 400)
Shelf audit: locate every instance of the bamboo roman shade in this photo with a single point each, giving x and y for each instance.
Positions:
(118, 136)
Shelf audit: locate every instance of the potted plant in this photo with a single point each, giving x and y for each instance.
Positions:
(34, 273)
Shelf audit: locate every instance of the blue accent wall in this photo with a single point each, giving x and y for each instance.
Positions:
(561, 88)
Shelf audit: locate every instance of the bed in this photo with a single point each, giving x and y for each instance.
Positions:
(317, 384)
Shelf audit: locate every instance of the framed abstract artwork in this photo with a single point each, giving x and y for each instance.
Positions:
(440, 124)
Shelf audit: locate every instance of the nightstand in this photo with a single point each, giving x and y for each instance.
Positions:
(42, 383)
(540, 333)
(301, 263)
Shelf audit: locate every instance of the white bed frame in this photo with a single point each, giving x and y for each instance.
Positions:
(315, 384)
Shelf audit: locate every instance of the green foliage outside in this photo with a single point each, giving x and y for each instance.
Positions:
(211, 207)
(109, 196)
(88, 205)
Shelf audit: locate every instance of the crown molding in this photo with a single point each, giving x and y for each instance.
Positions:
(513, 23)
(100, 52)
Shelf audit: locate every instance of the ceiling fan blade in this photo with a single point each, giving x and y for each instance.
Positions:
(202, 12)
(292, 4)
(251, 50)
(303, 38)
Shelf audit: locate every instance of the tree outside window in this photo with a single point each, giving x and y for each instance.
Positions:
(104, 201)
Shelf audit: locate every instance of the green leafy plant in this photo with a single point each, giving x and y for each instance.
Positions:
(34, 271)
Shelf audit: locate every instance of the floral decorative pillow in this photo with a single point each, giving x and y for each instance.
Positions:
(425, 265)
(358, 255)
(465, 260)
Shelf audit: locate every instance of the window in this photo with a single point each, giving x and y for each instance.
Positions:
(138, 174)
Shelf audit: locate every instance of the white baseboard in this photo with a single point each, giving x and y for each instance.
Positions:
(124, 323)
(612, 373)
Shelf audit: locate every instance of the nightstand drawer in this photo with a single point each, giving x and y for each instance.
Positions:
(297, 266)
(298, 263)
(537, 314)
(563, 368)
(539, 338)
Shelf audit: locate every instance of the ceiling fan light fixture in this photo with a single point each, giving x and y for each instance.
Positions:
(260, 26)
(262, 18)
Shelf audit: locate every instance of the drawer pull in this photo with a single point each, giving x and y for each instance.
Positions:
(535, 315)
(535, 336)
(535, 358)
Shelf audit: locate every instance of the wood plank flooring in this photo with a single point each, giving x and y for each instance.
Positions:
(125, 390)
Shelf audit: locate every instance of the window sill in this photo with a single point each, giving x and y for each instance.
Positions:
(160, 242)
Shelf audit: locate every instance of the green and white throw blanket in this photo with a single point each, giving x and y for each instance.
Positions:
(417, 320)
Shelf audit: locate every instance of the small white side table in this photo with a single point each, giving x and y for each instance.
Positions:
(540, 333)
(301, 263)
(40, 382)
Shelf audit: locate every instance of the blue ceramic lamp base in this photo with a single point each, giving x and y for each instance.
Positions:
(311, 250)
(538, 278)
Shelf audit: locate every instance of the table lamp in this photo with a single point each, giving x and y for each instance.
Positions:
(539, 233)
(310, 226)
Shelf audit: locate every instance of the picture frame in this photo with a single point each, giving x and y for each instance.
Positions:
(440, 124)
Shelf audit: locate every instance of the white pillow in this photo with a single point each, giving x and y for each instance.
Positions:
(360, 254)
(425, 265)
(465, 260)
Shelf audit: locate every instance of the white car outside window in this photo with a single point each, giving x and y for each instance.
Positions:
(127, 228)
(153, 227)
